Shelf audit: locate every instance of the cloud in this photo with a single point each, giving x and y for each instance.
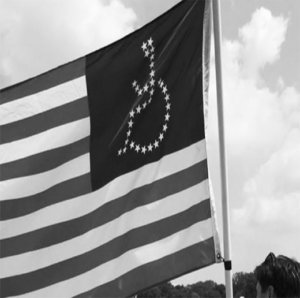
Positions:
(38, 35)
(273, 193)
(262, 39)
(253, 111)
(262, 128)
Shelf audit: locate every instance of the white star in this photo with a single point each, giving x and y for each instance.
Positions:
(120, 152)
(168, 106)
(131, 144)
(164, 90)
(152, 82)
(144, 149)
(124, 150)
(144, 46)
(152, 64)
(155, 144)
(165, 127)
(150, 41)
(152, 73)
(147, 53)
(137, 148)
(137, 88)
(161, 83)
(140, 92)
(150, 99)
(152, 57)
(161, 136)
(167, 97)
(151, 92)
(126, 142)
(144, 105)
(128, 132)
(131, 113)
(167, 117)
(134, 83)
(152, 49)
(138, 109)
(130, 123)
(150, 147)
(146, 87)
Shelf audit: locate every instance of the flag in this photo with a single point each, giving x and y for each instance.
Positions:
(104, 179)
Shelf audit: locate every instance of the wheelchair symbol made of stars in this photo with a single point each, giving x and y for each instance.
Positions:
(147, 88)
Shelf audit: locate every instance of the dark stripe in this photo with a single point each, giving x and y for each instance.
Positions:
(63, 191)
(44, 161)
(41, 278)
(27, 127)
(138, 197)
(44, 81)
(182, 262)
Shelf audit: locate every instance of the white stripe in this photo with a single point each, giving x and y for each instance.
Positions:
(30, 185)
(42, 101)
(82, 205)
(138, 217)
(126, 262)
(47, 140)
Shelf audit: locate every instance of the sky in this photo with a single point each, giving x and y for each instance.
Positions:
(261, 77)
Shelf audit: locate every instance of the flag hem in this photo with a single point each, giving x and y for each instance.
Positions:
(206, 46)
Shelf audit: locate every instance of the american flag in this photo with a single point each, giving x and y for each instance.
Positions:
(104, 182)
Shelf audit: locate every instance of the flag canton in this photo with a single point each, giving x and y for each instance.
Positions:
(145, 95)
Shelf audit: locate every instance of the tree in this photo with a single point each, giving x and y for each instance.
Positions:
(244, 284)
(208, 289)
(150, 293)
(164, 290)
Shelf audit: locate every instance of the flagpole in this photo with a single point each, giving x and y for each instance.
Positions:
(224, 191)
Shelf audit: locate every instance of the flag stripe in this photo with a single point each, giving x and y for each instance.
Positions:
(43, 121)
(135, 218)
(119, 187)
(45, 161)
(67, 72)
(128, 261)
(30, 185)
(78, 226)
(105, 253)
(66, 190)
(43, 101)
(182, 262)
(47, 140)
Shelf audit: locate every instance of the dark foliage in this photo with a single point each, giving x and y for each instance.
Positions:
(243, 285)
(207, 289)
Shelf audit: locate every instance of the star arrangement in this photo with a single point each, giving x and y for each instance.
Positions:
(148, 88)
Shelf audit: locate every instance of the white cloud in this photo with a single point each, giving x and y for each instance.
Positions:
(263, 142)
(253, 111)
(38, 35)
(273, 194)
(262, 39)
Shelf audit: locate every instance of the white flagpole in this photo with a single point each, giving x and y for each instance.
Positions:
(224, 192)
